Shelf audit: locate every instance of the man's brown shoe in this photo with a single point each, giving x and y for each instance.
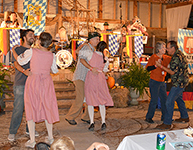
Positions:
(182, 120)
(163, 126)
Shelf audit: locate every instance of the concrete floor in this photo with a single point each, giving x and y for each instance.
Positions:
(121, 122)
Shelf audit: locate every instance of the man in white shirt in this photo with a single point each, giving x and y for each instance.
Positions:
(85, 54)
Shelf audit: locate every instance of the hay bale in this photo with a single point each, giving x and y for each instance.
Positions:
(120, 97)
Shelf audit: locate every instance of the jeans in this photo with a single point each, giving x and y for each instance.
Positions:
(175, 95)
(17, 113)
(157, 89)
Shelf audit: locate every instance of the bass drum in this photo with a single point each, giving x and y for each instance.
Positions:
(63, 59)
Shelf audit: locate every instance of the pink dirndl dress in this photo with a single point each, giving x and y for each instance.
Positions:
(96, 88)
(39, 95)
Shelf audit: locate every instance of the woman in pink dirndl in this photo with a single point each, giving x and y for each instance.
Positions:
(96, 88)
(39, 95)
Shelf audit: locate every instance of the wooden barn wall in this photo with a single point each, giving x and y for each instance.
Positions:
(143, 13)
(20, 6)
(8, 5)
(53, 7)
(118, 9)
(108, 8)
(130, 10)
(155, 15)
(65, 10)
(94, 5)
(164, 16)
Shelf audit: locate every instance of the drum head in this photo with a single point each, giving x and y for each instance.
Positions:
(63, 59)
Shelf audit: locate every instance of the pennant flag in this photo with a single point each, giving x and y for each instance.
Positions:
(138, 42)
(4, 40)
(104, 37)
(34, 15)
(113, 44)
(80, 42)
(73, 47)
(129, 46)
(14, 37)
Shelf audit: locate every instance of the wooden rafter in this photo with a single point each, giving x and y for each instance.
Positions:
(15, 5)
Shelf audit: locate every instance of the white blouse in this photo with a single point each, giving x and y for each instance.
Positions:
(105, 69)
(25, 57)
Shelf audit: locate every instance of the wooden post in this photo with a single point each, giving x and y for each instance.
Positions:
(160, 15)
(88, 4)
(149, 14)
(72, 23)
(60, 22)
(135, 8)
(2, 6)
(114, 17)
(15, 5)
(100, 9)
(59, 6)
(126, 11)
(48, 6)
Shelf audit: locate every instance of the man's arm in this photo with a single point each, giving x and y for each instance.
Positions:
(93, 69)
(19, 68)
(164, 68)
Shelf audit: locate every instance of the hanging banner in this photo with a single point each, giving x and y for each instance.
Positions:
(138, 42)
(185, 43)
(113, 44)
(34, 15)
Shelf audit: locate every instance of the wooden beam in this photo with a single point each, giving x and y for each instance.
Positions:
(178, 4)
(160, 15)
(15, 5)
(149, 15)
(2, 6)
(100, 9)
(114, 16)
(88, 4)
(59, 6)
(126, 11)
(135, 8)
(60, 22)
(151, 1)
(48, 6)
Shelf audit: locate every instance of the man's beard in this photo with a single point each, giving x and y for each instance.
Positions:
(29, 42)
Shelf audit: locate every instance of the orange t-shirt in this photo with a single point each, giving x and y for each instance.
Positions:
(158, 74)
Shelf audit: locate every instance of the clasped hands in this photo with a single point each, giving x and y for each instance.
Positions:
(158, 63)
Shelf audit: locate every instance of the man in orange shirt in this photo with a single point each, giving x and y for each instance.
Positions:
(157, 78)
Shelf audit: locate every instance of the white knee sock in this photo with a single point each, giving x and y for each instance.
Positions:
(49, 129)
(31, 126)
(91, 113)
(102, 112)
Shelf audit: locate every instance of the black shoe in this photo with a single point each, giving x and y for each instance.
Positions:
(91, 128)
(149, 120)
(72, 122)
(182, 120)
(87, 121)
(104, 126)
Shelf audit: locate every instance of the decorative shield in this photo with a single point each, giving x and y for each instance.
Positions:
(63, 59)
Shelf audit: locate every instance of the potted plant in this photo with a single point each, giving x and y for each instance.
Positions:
(136, 79)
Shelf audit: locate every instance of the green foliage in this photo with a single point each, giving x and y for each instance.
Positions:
(137, 77)
(3, 79)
